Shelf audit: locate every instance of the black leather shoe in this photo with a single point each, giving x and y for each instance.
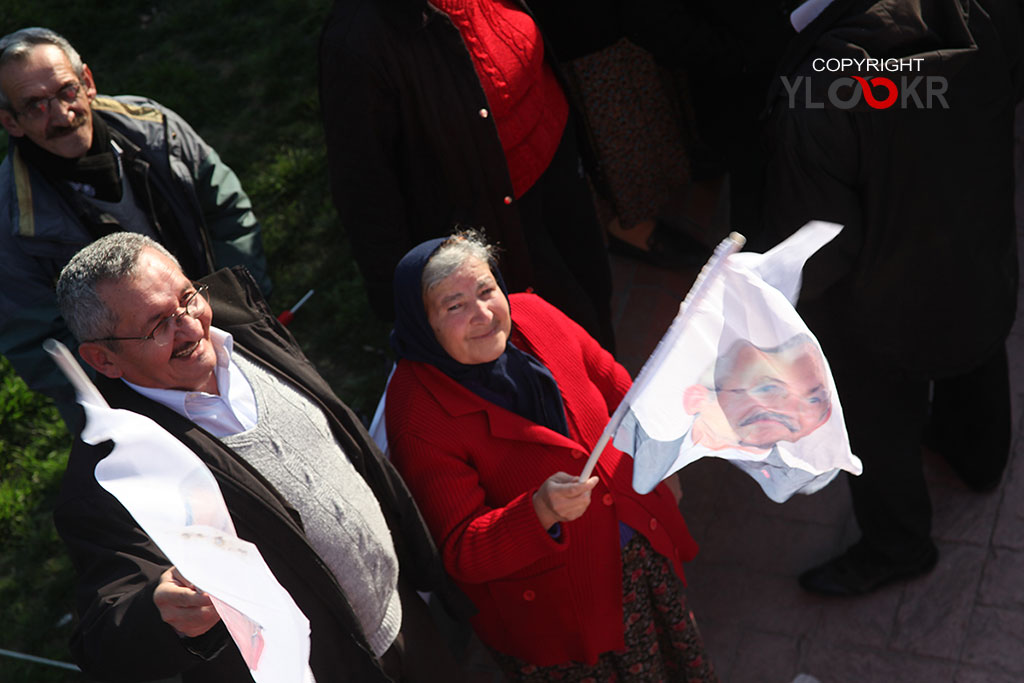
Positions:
(860, 570)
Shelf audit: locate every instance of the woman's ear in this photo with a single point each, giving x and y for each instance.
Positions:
(100, 358)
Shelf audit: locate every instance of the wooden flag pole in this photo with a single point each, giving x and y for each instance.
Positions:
(730, 245)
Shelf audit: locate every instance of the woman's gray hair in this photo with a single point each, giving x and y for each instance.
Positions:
(453, 253)
(112, 258)
(15, 46)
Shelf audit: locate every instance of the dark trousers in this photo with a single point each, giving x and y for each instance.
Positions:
(888, 411)
(566, 243)
(420, 653)
(971, 422)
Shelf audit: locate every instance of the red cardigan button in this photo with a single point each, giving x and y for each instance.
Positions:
(529, 595)
(607, 499)
(654, 524)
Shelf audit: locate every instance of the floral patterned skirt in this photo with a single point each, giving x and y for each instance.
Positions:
(662, 640)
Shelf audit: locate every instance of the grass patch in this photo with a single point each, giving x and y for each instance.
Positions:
(35, 573)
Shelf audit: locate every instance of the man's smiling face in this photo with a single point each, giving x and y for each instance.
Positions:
(188, 361)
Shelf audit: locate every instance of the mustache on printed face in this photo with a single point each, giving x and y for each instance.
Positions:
(784, 420)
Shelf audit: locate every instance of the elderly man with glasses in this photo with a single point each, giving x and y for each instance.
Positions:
(300, 477)
(83, 165)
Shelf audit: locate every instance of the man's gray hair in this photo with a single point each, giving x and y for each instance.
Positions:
(112, 258)
(15, 46)
(453, 253)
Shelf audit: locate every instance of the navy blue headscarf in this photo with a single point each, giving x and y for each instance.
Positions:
(515, 380)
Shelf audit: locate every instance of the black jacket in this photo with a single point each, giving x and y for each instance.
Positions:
(925, 271)
(121, 637)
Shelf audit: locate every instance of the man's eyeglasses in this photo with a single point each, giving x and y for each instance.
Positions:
(39, 108)
(194, 304)
(772, 393)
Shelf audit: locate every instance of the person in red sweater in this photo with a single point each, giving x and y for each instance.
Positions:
(456, 111)
(490, 418)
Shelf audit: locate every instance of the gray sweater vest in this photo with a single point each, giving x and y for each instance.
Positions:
(293, 447)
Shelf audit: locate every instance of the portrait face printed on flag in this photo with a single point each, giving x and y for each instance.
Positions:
(754, 397)
(739, 376)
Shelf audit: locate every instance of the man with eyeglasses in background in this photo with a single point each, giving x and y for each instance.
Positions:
(300, 476)
(83, 165)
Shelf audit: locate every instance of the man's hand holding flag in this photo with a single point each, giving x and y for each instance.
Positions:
(175, 499)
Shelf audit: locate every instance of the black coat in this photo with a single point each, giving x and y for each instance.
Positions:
(121, 637)
(925, 272)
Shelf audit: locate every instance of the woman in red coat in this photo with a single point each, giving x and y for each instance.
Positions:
(490, 419)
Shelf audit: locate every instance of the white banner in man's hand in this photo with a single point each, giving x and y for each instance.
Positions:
(173, 496)
(175, 499)
(743, 379)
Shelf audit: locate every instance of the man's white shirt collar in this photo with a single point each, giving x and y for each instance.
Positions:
(230, 412)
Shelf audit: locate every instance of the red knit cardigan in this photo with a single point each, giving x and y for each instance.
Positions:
(473, 468)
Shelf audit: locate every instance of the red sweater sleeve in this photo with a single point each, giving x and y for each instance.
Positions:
(483, 534)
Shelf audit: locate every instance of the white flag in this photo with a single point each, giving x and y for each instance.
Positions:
(174, 498)
(739, 376)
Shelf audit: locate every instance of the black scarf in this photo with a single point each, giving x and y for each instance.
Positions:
(515, 381)
(97, 168)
